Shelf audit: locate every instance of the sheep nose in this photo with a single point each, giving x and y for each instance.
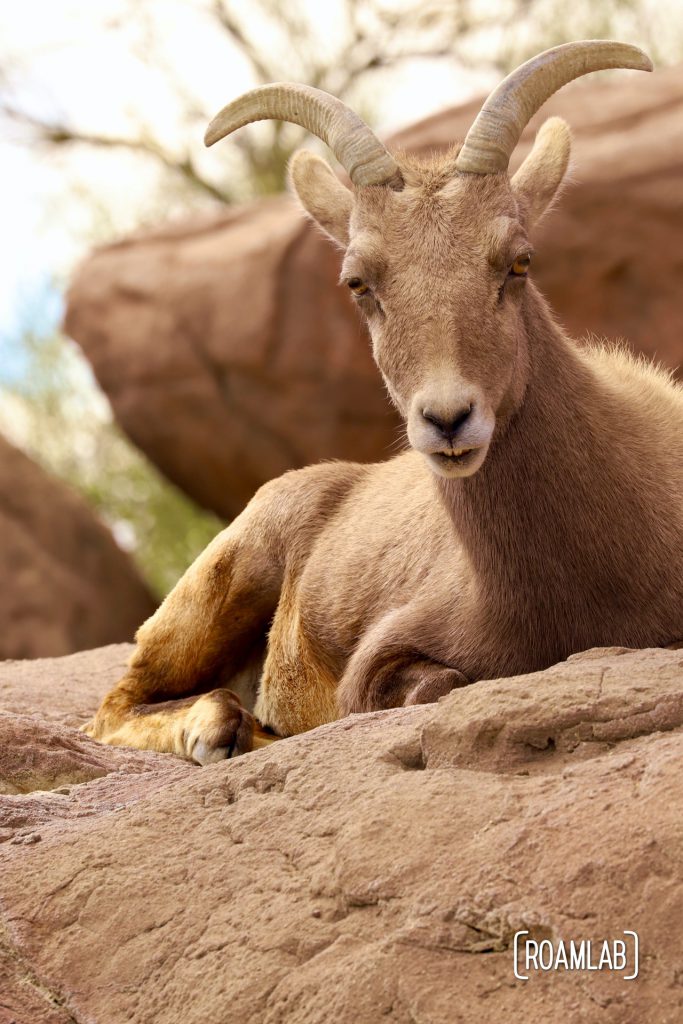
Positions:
(448, 427)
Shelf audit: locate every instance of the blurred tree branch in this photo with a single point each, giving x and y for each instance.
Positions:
(374, 35)
(61, 134)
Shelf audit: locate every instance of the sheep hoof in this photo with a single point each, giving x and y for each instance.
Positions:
(434, 686)
(217, 727)
(204, 754)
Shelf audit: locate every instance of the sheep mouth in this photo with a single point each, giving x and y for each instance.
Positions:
(459, 457)
(458, 463)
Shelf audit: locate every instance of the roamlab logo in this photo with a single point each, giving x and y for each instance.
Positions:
(620, 956)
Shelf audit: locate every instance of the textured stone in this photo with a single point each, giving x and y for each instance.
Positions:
(66, 585)
(374, 870)
(230, 354)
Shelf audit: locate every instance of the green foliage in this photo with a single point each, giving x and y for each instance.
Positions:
(56, 413)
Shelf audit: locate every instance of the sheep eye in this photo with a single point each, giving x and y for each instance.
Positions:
(357, 286)
(520, 268)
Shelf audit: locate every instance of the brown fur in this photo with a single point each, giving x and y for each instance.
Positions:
(349, 588)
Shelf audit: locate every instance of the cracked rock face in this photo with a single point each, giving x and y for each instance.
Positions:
(230, 354)
(374, 870)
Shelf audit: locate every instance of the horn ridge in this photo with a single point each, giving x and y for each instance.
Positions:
(355, 145)
(496, 131)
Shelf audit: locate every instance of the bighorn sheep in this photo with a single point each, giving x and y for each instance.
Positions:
(539, 512)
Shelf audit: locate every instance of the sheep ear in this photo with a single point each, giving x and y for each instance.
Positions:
(537, 182)
(322, 195)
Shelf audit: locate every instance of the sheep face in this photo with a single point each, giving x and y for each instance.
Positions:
(439, 269)
(436, 251)
(444, 307)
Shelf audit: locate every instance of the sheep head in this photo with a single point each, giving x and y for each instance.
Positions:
(437, 251)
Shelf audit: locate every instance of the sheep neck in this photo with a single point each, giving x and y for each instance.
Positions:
(548, 521)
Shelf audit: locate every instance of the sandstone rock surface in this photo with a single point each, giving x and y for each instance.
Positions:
(65, 583)
(374, 870)
(230, 354)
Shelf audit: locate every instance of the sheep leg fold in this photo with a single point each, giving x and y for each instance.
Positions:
(209, 634)
(390, 669)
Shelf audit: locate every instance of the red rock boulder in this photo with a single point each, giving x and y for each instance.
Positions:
(66, 585)
(228, 353)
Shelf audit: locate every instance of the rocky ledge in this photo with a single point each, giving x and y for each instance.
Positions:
(375, 869)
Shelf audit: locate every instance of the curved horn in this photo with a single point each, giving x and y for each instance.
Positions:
(355, 146)
(505, 114)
